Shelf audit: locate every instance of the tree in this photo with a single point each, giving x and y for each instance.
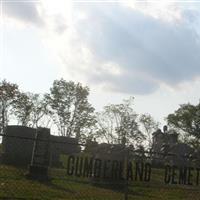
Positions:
(40, 112)
(148, 125)
(21, 108)
(29, 109)
(8, 94)
(70, 108)
(186, 120)
(117, 123)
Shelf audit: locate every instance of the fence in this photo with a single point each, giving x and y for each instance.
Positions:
(110, 172)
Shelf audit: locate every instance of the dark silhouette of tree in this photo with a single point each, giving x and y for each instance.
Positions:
(22, 108)
(29, 109)
(186, 120)
(117, 123)
(8, 94)
(148, 125)
(70, 109)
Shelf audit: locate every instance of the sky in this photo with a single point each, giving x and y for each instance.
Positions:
(146, 49)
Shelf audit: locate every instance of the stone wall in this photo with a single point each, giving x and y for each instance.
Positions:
(62, 145)
(18, 151)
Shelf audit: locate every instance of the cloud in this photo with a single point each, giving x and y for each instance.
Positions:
(125, 48)
(148, 51)
(59, 24)
(25, 11)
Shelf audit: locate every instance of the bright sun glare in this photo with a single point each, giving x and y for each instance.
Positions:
(64, 7)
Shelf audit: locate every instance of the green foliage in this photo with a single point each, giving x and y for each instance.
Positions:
(8, 94)
(70, 109)
(29, 109)
(187, 120)
(67, 106)
(22, 108)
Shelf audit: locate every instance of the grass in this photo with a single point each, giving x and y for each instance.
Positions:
(15, 185)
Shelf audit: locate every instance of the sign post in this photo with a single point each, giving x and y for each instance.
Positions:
(40, 156)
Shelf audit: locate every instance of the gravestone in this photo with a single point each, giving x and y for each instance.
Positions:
(40, 156)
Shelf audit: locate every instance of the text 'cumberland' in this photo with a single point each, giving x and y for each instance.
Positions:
(131, 171)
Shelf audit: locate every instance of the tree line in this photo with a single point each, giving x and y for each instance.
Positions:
(67, 109)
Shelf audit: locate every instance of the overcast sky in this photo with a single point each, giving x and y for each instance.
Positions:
(146, 49)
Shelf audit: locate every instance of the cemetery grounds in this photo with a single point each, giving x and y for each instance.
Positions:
(15, 185)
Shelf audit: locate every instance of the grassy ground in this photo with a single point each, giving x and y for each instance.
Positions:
(14, 185)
